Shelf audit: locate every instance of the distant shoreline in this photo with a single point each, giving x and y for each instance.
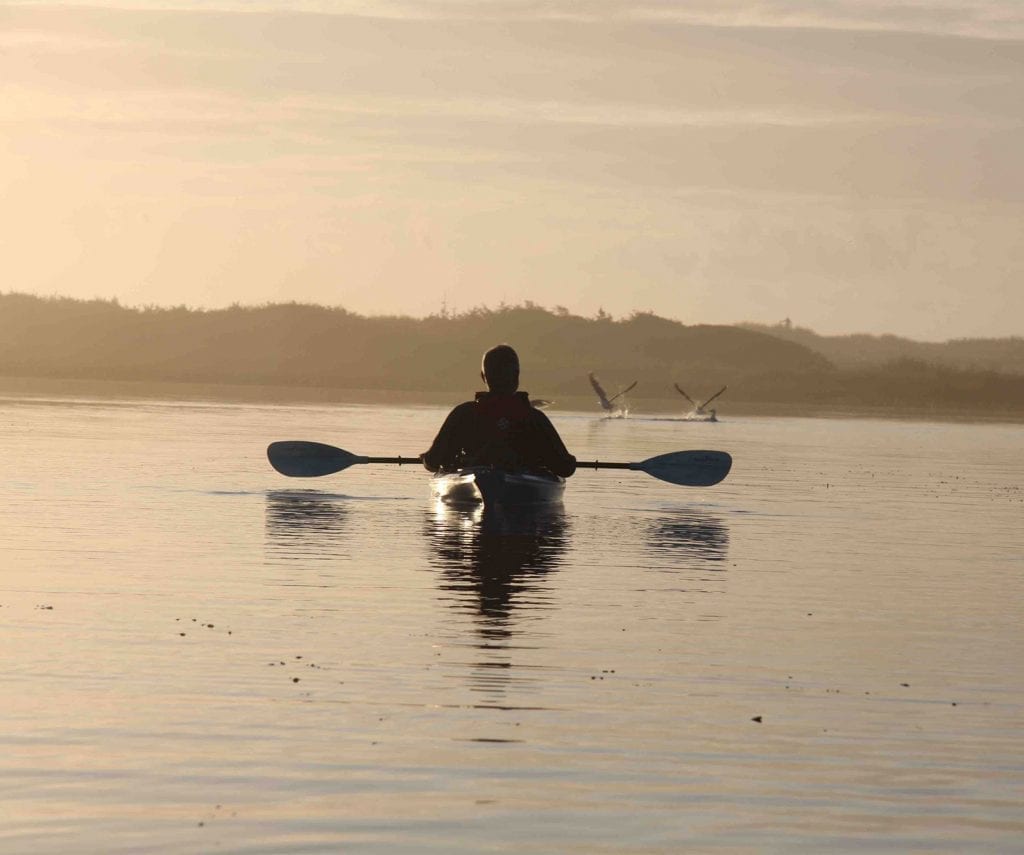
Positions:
(293, 354)
(29, 388)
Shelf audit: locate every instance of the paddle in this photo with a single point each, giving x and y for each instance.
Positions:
(299, 459)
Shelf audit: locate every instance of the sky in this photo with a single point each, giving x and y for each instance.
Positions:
(852, 165)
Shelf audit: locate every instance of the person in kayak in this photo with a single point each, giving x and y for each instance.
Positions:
(499, 427)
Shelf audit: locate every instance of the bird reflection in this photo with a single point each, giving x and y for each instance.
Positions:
(690, 533)
(305, 524)
(493, 561)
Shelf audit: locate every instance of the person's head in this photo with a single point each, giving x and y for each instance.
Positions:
(500, 369)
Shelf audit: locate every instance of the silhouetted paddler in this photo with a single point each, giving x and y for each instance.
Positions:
(499, 427)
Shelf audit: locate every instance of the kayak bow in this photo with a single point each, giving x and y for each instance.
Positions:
(474, 485)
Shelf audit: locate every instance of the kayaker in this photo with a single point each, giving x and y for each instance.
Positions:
(499, 427)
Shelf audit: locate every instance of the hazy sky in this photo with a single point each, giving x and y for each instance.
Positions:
(854, 165)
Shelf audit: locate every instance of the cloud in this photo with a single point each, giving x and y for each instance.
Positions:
(521, 151)
(990, 19)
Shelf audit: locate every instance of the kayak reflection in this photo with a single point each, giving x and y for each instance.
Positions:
(690, 533)
(493, 560)
(304, 524)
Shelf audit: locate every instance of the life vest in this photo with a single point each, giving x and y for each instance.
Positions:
(502, 418)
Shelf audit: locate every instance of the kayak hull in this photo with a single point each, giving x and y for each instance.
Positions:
(490, 487)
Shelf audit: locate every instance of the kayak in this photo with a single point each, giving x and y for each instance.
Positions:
(477, 485)
(474, 485)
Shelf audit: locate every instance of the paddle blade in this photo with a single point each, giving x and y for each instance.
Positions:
(689, 468)
(298, 459)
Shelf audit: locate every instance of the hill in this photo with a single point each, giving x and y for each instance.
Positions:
(1003, 355)
(300, 346)
(318, 346)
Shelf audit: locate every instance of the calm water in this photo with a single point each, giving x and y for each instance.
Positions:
(200, 655)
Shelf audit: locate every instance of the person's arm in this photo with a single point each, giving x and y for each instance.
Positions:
(556, 456)
(444, 451)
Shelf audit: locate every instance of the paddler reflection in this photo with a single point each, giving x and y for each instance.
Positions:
(493, 561)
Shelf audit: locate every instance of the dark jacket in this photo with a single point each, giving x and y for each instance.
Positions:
(499, 430)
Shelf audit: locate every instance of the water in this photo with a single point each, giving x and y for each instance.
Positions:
(822, 653)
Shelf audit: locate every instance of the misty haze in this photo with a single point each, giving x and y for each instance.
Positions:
(461, 426)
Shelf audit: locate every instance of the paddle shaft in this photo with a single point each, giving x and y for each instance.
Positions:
(601, 464)
(580, 464)
(402, 461)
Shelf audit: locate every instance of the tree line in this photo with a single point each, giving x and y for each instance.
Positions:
(304, 345)
(1002, 355)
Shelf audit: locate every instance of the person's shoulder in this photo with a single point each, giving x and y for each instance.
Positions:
(539, 416)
